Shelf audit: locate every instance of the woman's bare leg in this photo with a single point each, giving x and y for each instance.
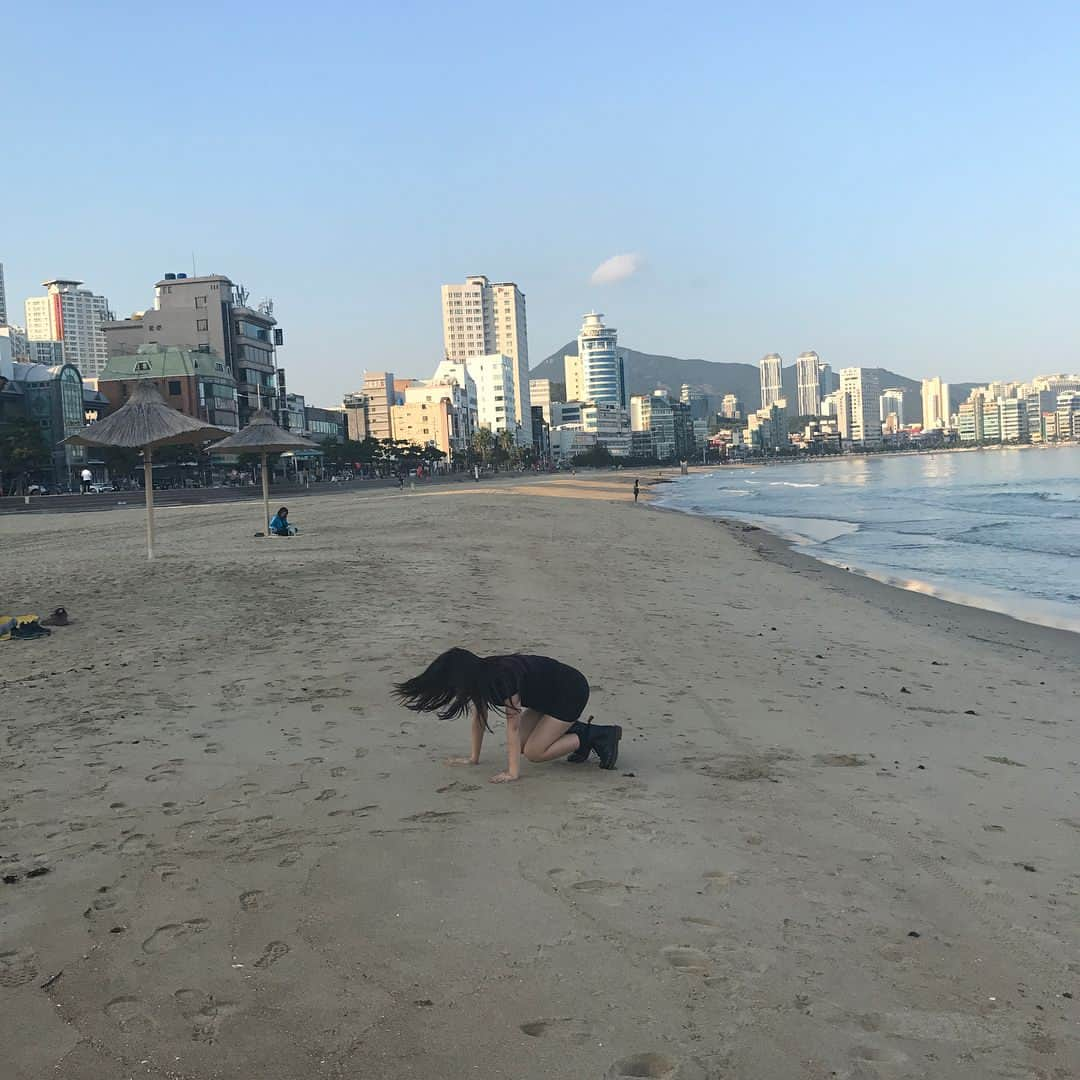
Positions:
(550, 739)
(529, 718)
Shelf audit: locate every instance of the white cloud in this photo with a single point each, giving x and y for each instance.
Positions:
(617, 268)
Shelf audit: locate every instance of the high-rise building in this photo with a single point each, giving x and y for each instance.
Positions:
(654, 413)
(378, 388)
(935, 404)
(542, 392)
(574, 372)
(601, 362)
(772, 384)
(74, 316)
(808, 383)
(483, 318)
(732, 408)
(861, 405)
(211, 314)
(493, 377)
(1068, 414)
(892, 404)
(3, 299)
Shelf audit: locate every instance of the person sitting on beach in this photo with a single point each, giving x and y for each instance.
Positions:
(279, 524)
(542, 698)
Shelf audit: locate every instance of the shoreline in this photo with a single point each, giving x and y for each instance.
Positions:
(946, 592)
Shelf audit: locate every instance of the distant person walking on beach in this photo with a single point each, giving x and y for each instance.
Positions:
(543, 700)
(86, 476)
(637, 489)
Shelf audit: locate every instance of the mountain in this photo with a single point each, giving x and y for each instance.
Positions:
(645, 372)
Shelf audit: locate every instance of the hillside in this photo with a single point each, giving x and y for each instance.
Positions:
(646, 372)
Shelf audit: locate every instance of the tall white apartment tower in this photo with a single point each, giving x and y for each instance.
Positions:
(74, 316)
(482, 318)
(602, 372)
(3, 299)
(808, 382)
(935, 404)
(772, 385)
(860, 390)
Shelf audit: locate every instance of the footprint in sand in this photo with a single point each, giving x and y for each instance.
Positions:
(166, 870)
(326, 793)
(272, 954)
(251, 900)
(685, 959)
(172, 935)
(130, 1015)
(702, 924)
(648, 1066)
(18, 967)
(204, 1011)
(359, 811)
(338, 771)
(136, 844)
(841, 760)
(434, 815)
(567, 1028)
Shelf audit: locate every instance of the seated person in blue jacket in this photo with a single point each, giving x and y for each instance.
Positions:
(279, 524)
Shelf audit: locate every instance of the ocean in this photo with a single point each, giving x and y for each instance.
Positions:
(997, 529)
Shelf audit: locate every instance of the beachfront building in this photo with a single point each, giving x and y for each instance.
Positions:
(767, 429)
(935, 404)
(602, 377)
(52, 398)
(610, 424)
(542, 392)
(211, 314)
(970, 420)
(860, 406)
(654, 413)
(808, 381)
(355, 408)
(484, 318)
(3, 299)
(731, 408)
(541, 430)
(493, 381)
(1068, 415)
(325, 425)
(892, 409)
(197, 384)
(74, 316)
(378, 388)
(574, 374)
(455, 398)
(772, 382)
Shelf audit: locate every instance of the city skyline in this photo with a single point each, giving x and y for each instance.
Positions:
(905, 207)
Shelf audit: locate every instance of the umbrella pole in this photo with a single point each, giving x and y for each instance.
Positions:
(266, 496)
(148, 480)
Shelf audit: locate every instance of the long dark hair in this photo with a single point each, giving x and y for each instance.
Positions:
(456, 680)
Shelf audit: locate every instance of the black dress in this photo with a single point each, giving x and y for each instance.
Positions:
(546, 685)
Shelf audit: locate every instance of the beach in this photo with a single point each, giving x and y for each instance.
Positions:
(841, 840)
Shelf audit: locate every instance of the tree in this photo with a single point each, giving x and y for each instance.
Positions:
(23, 450)
(597, 457)
(482, 445)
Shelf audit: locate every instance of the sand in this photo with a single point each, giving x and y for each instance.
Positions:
(841, 842)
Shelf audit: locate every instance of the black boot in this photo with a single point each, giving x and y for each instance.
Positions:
(605, 741)
(584, 733)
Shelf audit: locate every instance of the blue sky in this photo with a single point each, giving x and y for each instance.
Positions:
(890, 185)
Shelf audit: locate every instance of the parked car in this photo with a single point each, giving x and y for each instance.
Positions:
(100, 489)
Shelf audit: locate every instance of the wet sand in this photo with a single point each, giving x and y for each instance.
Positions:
(842, 840)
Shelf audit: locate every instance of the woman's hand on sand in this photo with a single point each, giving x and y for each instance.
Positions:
(502, 778)
(461, 761)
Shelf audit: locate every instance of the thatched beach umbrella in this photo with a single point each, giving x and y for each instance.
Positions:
(145, 421)
(263, 436)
